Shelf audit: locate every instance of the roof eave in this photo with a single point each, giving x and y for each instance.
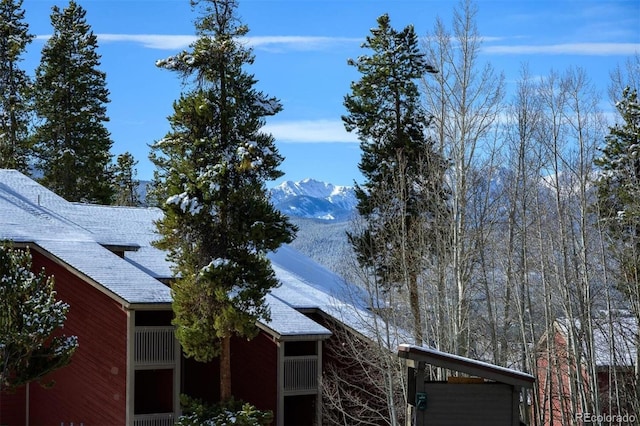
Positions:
(156, 306)
(292, 337)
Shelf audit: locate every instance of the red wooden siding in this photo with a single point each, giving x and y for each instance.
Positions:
(254, 371)
(553, 383)
(253, 374)
(12, 407)
(92, 389)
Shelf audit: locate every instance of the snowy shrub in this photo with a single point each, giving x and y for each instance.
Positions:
(30, 317)
(237, 413)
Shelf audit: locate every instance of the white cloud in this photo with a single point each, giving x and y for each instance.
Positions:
(310, 131)
(151, 41)
(586, 49)
(305, 43)
(273, 43)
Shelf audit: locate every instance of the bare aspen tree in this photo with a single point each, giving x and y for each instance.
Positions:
(586, 129)
(559, 389)
(366, 385)
(487, 319)
(623, 76)
(572, 128)
(554, 239)
(550, 382)
(465, 100)
(524, 163)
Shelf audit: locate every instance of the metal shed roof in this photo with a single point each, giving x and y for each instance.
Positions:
(465, 365)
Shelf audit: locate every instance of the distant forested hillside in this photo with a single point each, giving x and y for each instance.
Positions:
(323, 241)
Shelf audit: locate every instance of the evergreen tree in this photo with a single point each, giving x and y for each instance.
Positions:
(619, 203)
(403, 199)
(29, 315)
(14, 85)
(124, 181)
(212, 167)
(72, 142)
(619, 192)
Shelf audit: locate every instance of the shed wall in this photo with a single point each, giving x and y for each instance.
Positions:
(468, 404)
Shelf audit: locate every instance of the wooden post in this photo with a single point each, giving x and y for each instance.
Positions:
(225, 369)
(415, 373)
(420, 415)
(26, 417)
(411, 392)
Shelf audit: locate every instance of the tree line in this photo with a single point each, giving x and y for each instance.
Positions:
(52, 125)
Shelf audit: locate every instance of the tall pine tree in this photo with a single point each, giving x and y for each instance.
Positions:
(71, 141)
(211, 175)
(403, 199)
(14, 85)
(619, 193)
(125, 184)
(619, 203)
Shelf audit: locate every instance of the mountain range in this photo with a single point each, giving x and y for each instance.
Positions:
(313, 199)
(322, 212)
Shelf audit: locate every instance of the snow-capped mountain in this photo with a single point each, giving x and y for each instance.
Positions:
(310, 198)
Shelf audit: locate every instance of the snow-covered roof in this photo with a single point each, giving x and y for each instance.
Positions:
(79, 235)
(31, 214)
(614, 339)
(108, 270)
(287, 323)
(132, 227)
(308, 286)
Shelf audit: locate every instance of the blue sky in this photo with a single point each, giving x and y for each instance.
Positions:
(302, 47)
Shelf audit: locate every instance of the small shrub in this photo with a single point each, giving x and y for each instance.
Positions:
(236, 413)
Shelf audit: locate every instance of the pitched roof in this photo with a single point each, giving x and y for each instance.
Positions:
(306, 285)
(77, 235)
(31, 214)
(288, 324)
(132, 227)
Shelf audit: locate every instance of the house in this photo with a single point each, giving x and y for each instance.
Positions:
(615, 359)
(128, 368)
